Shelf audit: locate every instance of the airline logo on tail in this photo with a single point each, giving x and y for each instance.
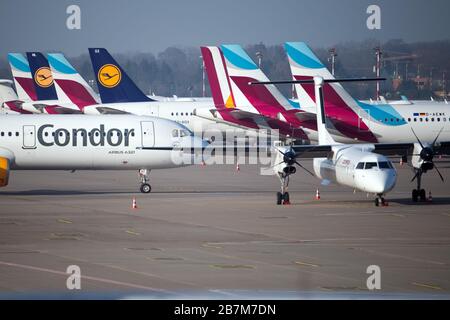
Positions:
(109, 75)
(43, 77)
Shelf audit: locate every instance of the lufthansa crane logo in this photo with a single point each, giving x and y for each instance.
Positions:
(109, 75)
(43, 77)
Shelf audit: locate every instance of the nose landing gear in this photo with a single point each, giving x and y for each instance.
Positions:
(379, 200)
(419, 194)
(144, 177)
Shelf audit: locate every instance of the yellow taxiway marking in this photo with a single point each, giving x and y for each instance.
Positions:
(64, 221)
(301, 263)
(133, 232)
(429, 286)
(207, 245)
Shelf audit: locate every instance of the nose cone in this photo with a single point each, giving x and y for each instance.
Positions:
(382, 181)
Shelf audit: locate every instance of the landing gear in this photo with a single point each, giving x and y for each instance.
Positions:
(283, 196)
(144, 177)
(379, 200)
(419, 194)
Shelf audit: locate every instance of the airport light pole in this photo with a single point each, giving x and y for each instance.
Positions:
(378, 54)
(203, 77)
(259, 55)
(332, 58)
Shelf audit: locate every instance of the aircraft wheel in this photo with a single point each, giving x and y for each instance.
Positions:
(422, 195)
(146, 188)
(415, 195)
(279, 198)
(377, 202)
(286, 198)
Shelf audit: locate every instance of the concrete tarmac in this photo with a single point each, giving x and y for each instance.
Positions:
(214, 232)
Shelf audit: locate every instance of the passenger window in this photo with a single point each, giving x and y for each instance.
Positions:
(421, 119)
(415, 119)
(370, 165)
(426, 119)
(360, 165)
(3, 134)
(9, 134)
(432, 119)
(17, 134)
(409, 119)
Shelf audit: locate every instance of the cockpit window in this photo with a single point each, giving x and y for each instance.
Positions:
(175, 133)
(370, 165)
(185, 133)
(360, 165)
(385, 165)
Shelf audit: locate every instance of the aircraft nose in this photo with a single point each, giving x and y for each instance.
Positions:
(385, 182)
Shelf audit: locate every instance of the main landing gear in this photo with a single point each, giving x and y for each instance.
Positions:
(283, 196)
(419, 194)
(144, 177)
(379, 200)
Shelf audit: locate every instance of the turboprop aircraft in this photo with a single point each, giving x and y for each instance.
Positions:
(77, 142)
(358, 166)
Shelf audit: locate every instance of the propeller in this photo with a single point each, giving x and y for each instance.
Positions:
(289, 157)
(427, 154)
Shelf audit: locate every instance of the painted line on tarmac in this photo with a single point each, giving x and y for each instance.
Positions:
(65, 221)
(428, 286)
(103, 280)
(306, 264)
(133, 232)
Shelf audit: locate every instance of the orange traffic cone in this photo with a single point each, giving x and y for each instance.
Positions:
(317, 194)
(203, 163)
(430, 198)
(401, 161)
(134, 205)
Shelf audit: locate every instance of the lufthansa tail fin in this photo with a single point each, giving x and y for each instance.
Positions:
(113, 83)
(42, 76)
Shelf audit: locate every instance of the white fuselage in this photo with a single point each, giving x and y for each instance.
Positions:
(375, 175)
(92, 142)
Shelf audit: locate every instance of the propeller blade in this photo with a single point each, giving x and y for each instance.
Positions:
(440, 175)
(297, 163)
(281, 152)
(277, 164)
(434, 141)
(418, 140)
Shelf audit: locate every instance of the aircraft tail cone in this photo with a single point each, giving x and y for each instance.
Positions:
(134, 205)
(317, 195)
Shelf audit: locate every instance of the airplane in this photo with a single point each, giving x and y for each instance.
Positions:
(78, 142)
(358, 166)
(350, 120)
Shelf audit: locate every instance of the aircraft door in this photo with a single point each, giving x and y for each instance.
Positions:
(29, 137)
(147, 134)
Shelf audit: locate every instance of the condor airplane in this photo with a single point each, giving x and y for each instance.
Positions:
(77, 142)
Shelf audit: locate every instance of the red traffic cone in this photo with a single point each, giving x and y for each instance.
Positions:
(134, 205)
(317, 194)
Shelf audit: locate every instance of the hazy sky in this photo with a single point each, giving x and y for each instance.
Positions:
(153, 25)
